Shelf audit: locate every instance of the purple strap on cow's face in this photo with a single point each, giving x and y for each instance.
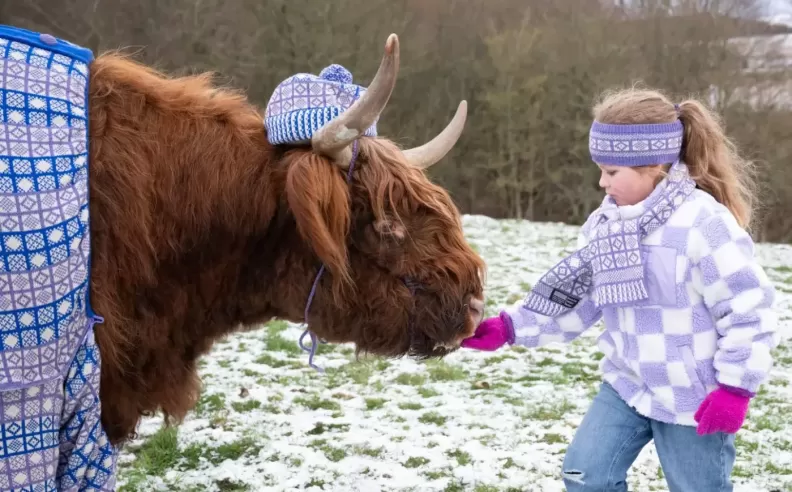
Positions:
(314, 339)
(411, 284)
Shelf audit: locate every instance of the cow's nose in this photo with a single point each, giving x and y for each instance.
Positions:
(476, 307)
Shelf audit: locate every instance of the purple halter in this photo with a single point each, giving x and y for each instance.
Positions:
(411, 284)
(314, 338)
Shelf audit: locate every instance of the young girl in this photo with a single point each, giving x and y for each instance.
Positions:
(666, 263)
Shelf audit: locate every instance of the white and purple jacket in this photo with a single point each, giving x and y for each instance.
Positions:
(708, 320)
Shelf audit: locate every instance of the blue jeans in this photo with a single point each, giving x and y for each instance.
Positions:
(612, 435)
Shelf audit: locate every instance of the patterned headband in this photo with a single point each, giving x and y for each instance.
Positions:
(635, 145)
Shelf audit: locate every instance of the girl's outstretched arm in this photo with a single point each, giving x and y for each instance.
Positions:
(533, 330)
(522, 326)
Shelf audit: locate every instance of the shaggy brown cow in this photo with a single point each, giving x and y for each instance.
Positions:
(201, 227)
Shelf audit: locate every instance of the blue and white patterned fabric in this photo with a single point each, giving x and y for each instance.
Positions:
(303, 103)
(52, 438)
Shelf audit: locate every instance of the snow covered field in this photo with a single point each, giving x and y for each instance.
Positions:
(473, 422)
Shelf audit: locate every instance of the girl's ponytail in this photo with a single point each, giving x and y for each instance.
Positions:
(714, 163)
(711, 157)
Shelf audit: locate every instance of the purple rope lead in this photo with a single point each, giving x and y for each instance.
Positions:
(314, 339)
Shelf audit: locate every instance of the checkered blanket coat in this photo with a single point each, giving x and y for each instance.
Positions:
(708, 319)
(50, 428)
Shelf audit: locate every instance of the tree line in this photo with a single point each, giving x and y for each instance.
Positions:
(530, 70)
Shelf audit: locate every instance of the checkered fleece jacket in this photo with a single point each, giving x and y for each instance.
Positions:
(708, 320)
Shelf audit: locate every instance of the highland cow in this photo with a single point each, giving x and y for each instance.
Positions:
(199, 226)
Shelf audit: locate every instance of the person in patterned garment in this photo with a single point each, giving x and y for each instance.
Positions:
(52, 435)
(688, 315)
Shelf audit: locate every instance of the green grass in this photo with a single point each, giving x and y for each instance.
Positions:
(275, 342)
(269, 360)
(369, 451)
(375, 403)
(161, 453)
(580, 373)
(550, 412)
(245, 447)
(553, 438)
(432, 418)
(246, 406)
(411, 379)
(321, 428)
(210, 403)
(441, 371)
(415, 462)
(157, 454)
(355, 372)
(331, 452)
(315, 403)
(461, 457)
(428, 392)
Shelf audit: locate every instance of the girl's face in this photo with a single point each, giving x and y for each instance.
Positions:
(626, 185)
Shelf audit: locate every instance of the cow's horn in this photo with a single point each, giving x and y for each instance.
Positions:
(431, 152)
(333, 139)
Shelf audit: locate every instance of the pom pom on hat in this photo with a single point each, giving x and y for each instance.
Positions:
(336, 73)
(303, 103)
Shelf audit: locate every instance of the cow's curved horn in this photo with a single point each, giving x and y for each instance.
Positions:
(431, 152)
(333, 139)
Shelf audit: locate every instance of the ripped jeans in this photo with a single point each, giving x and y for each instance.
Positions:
(612, 435)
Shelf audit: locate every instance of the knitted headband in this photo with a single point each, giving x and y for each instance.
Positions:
(635, 145)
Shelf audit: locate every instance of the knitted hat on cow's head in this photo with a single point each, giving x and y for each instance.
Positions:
(303, 103)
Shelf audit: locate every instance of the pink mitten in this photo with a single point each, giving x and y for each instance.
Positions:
(723, 410)
(491, 334)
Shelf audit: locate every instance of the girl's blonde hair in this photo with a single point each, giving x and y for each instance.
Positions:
(712, 158)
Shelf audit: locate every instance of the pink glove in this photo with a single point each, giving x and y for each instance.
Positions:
(723, 411)
(491, 334)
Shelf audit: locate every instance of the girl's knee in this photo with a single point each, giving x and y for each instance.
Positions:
(582, 471)
(591, 480)
(581, 481)
(574, 479)
(579, 473)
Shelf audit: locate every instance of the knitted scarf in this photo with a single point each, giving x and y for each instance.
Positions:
(610, 268)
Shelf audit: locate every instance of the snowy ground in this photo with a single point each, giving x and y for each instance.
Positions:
(476, 421)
